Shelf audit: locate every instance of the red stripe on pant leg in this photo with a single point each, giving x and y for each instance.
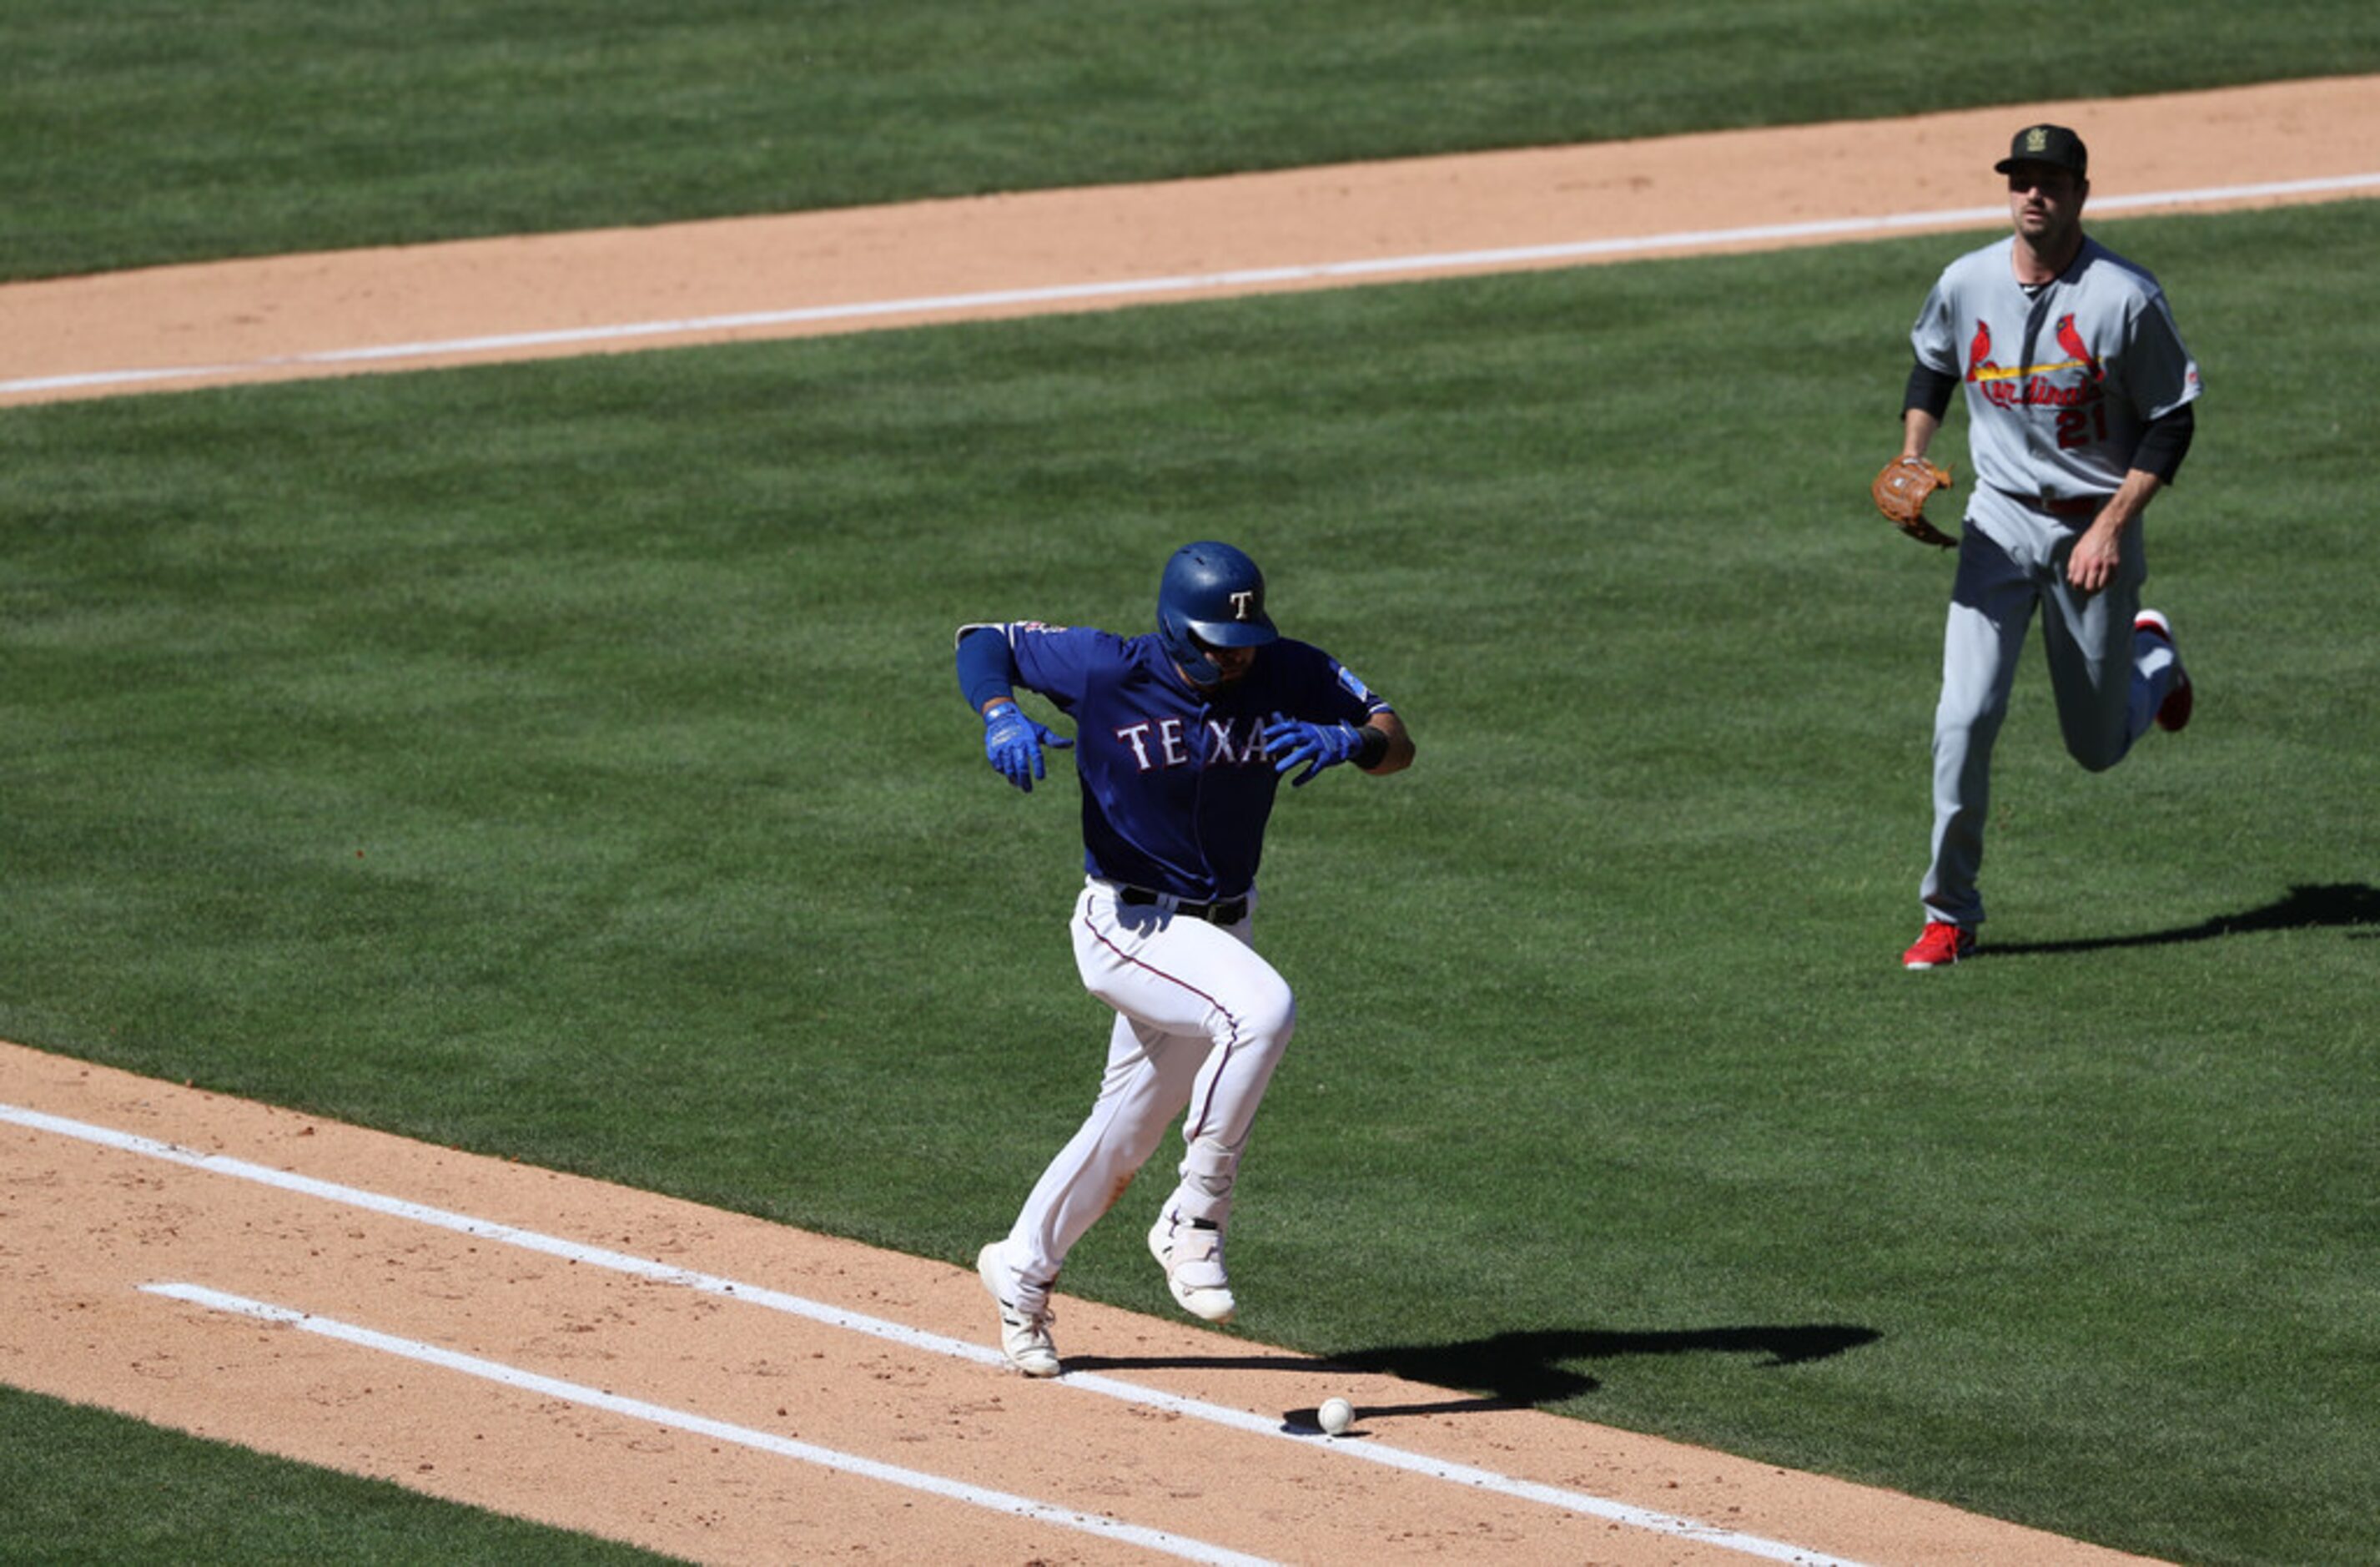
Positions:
(1199, 1123)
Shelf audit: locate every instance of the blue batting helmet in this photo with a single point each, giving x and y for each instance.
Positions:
(1211, 593)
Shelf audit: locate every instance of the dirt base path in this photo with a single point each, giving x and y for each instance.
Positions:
(615, 290)
(726, 1390)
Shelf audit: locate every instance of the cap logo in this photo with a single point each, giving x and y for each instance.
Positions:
(2037, 140)
(1240, 602)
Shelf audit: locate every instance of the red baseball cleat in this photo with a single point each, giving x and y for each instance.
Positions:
(2174, 712)
(1941, 945)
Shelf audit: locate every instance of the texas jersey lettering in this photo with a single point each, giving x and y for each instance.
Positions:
(1176, 783)
(1168, 742)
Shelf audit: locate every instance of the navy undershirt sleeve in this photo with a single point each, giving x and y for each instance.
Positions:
(1928, 389)
(2165, 443)
(986, 667)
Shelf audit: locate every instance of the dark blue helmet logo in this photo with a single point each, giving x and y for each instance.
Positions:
(1212, 596)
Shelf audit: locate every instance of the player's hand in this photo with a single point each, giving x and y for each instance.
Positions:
(1294, 742)
(2090, 565)
(1013, 743)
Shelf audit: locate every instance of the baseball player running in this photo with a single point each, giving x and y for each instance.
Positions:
(1184, 736)
(2079, 399)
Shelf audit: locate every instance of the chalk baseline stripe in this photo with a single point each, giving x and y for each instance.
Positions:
(1582, 1502)
(702, 1425)
(1249, 277)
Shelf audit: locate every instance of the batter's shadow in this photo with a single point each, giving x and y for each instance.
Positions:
(1307, 1420)
(1522, 1370)
(2353, 905)
(1512, 1370)
(1275, 1361)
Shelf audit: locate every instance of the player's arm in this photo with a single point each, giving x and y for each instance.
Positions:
(987, 666)
(1902, 486)
(1395, 746)
(2091, 564)
(1350, 723)
(1013, 742)
(1923, 404)
(1304, 746)
(1932, 369)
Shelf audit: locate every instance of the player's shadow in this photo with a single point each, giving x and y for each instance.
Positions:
(1515, 1370)
(1281, 1360)
(1524, 1369)
(2333, 906)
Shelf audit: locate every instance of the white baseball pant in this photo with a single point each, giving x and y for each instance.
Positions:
(1201, 1022)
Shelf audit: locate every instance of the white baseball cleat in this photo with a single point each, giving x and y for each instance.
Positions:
(1025, 1315)
(1191, 1252)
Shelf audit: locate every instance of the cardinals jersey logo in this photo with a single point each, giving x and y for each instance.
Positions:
(2079, 354)
(2037, 386)
(1979, 353)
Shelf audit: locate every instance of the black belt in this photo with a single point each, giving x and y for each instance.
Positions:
(2078, 505)
(1229, 913)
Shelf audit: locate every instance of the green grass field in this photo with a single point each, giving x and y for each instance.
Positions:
(527, 757)
(450, 753)
(80, 1487)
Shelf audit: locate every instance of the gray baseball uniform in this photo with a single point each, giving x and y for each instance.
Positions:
(2061, 378)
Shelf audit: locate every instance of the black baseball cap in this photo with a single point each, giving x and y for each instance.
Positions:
(2052, 144)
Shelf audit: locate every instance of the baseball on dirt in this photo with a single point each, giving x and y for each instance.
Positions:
(1336, 1415)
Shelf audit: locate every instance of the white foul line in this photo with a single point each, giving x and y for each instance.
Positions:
(489, 1230)
(917, 1338)
(702, 1425)
(1211, 281)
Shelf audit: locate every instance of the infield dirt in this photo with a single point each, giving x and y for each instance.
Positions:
(627, 289)
(88, 1223)
(91, 1225)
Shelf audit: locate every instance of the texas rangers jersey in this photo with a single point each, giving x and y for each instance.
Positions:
(2061, 380)
(1176, 784)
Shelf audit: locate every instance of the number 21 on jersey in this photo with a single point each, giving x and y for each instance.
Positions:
(2082, 426)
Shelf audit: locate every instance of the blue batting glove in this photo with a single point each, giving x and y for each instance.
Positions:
(1013, 743)
(1294, 742)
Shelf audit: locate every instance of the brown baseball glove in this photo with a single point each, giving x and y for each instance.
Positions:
(1900, 491)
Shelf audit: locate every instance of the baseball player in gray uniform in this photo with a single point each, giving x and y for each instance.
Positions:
(2080, 397)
